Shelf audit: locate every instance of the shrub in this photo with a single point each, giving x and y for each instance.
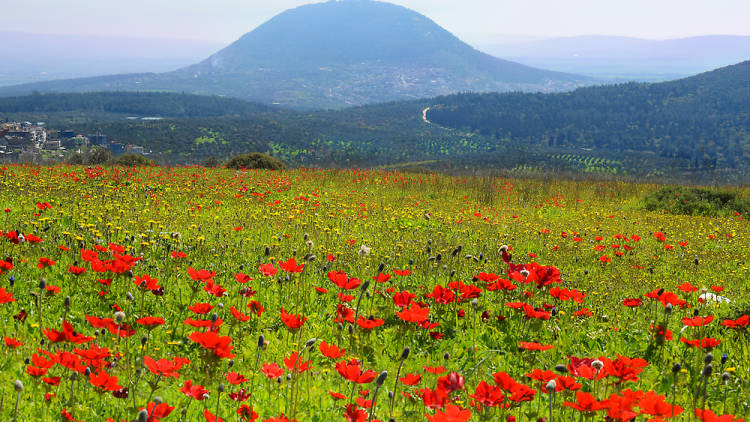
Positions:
(697, 201)
(133, 160)
(255, 160)
(99, 156)
(76, 158)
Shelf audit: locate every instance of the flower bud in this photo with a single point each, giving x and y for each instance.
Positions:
(18, 386)
(551, 386)
(405, 353)
(142, 415)
(261, 340)
(561, 369)
(42, 284)
(707, 370)
(708, 358)
(597, 364)
(221, 387)
(310, 342)
(158, 400)
(725, 377)
(381, 378)
(66, 302)
(119, 317)
(724, 358)
(668, 308)
(676, 368)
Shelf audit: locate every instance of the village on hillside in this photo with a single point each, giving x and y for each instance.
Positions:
(29, 142)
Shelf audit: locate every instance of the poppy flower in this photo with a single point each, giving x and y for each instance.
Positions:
(150, 322)
(352, 372)
(452, 413)
(704, 343)
(76, 270)
(268, 270)
(165, 367)
(295, 364)
(585, 402)
(381, 278)
(67, 334)
(535, 346)
(293, 322)
(218, 345)
(178, 254)
(414, 313)
(411, 379)
(247, 413)
(687, 287)
(6, 296)
(654, 405)
(11, 342)
(369, 323)
(201, 308)
(434, 369)
(355, 414)
(158, 411)
(291, 266)
(145, 282)
(44, 263)
(194, 391)
(104, 381)
(632, 303)
(210, 417)
(201, 275)
(234, 378)
(242, 278)
(707, 415)
(741, 322)
(487, 395)
(330, 350)
(697, 321)
(272, 370)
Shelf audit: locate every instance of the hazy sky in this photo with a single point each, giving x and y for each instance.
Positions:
(473, 20)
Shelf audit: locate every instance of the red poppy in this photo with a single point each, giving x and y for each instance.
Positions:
(104, 381)
(150, 322)
(6, 296)
(67, 334)
(293, 322)
(654, 405)
(741, 322)
(210, 417)
(633, 303)
(382, 278)
(272, 370)
(434, 369)
(44, 263)
(535, 346)
(707, 415)
(268, 270)
(697, 321)
(352, 372)
(201, 275)
(165, 367)
(218, 345)
(411, 379)
(369, 323)
(452, 413)
(704, 343)
(194, 391)
(242, 278)
(158, 411)
(331, 351)
(201, 308)
(291, 266)
(585, 402)
(294, 363)
(234, 378)
(414, 313)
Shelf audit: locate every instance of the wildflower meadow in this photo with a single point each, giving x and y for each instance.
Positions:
(200, 294)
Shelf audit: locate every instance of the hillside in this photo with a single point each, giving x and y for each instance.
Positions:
(332, 55)
(704, 120)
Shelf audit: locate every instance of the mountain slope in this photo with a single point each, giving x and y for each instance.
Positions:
(704, 119)
(334, 54)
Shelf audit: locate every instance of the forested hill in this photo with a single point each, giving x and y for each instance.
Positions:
(135, 103)
(704, 119)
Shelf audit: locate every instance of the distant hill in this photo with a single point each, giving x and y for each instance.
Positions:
(626, 58)
(332, 55)
(43, 57)
(156, 104)
(704, 119)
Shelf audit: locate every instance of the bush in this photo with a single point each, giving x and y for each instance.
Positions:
(133, 160)
(255, 160)
(76, 159)
(697, 201)
(99, 156)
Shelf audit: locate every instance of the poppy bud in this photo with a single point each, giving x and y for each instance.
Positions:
(242, 266)
(724, 358)
(474, 303)
(365, 285)
(310, 342)
(214, 317)
(66, 302)
(696, 262)
(707, 370)
(405, 353)
(439, 257)
(381, 267)
(551, 386)
(390, 396)
(220, 305)
(73, 376)
(144, 339)
(288, 377)
(158, 400)
(350, 328)
(87, 372)
(725, 377)
(261, 341)
(411, 262)
(597, 364)
(221, 388)
(267, 251)
(660, 292)
(381, 378)
(119, 317)
(668, 308)
(446, 356)
(561, 369)
(142, 415)
(503, 248)
(676, 368)
(230, 363)
(42, 284)
(129, 296)
(708, 358)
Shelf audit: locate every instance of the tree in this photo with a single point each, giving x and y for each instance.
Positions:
(255, 160)
(99, 156)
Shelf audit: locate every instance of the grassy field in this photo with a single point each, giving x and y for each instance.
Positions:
(206, 294)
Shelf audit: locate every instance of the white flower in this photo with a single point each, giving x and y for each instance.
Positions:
(364, 251)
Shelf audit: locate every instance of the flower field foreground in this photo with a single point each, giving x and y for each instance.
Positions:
(200, 294)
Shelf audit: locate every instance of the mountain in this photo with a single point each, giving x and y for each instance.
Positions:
(703, 120)
(42, 57)
(336, 54)
(627, 58)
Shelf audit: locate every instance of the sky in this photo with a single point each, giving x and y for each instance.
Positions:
(476, 21)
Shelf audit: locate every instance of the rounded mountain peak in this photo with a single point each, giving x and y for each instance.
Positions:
(340, 32)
